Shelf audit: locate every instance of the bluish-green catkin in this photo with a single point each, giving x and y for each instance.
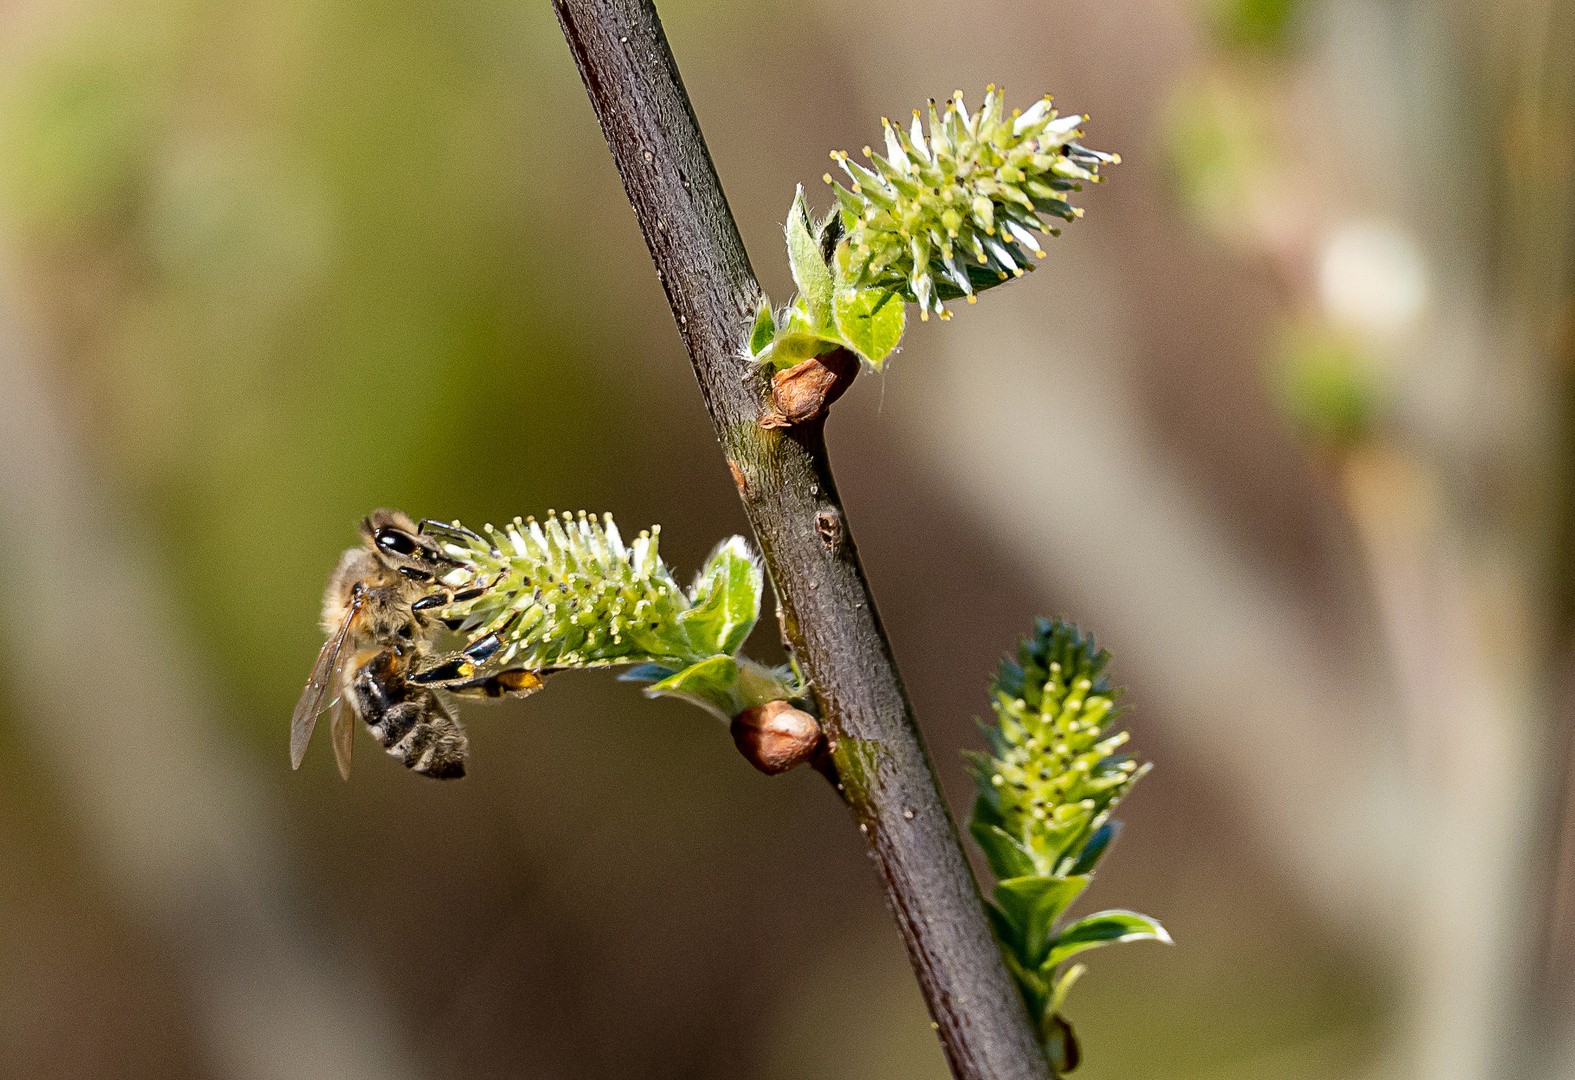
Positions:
(1053, 771)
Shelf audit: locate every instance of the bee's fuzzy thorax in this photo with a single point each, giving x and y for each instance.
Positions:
(356, 564)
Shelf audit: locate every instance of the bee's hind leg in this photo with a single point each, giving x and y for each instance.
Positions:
(516, 682)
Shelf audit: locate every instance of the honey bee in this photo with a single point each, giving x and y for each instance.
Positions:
(382, 656)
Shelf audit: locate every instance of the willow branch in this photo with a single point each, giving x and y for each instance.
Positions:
(878, 761)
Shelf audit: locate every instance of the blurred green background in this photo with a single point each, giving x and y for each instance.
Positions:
(1284, 421)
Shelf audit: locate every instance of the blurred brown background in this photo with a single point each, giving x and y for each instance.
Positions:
(1284, 421)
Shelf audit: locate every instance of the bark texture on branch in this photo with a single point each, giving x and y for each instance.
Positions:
(878, 760)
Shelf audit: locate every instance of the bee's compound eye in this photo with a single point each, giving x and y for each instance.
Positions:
(396, 541)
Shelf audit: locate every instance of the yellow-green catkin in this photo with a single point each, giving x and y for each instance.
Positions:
(948, 214)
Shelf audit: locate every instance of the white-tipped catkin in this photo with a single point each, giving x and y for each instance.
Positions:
(946, 215)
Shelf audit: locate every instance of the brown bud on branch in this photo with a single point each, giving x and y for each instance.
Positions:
(807, 389)
(775, 736)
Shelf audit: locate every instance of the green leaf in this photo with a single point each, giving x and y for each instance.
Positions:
(1033, 987)
(798, 319)
(1006, 856)
(1050, 842)
(810, 272)
(1064, 985)
(1035, 993)
(871, 321)
(708, 684)
(1033, 904)
(725, 602)
(1103, 928)
(765, 328)
(1006, 931)
(793, 348)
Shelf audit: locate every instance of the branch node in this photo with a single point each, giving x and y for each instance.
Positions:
(828, 526)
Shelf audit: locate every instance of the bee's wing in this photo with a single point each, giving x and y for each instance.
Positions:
(316, 691)
(341, 726)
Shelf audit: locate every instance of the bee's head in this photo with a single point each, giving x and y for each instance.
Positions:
(399, 545)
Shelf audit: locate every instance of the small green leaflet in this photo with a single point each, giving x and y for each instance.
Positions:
(765, 328)
(871, 321)
(726, 600)
(1104, 928)
(790, 349)
(1033, 904)
(809, 268)
(708, 684)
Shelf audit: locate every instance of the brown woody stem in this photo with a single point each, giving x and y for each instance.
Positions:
(878, 760)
